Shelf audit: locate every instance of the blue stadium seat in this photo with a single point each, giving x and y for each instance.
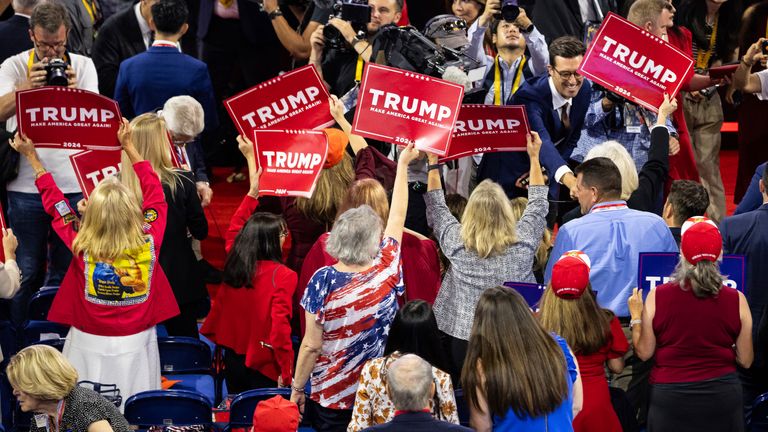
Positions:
(188, 360)
(757, 417)
(40, 303)
(243, 405)
(462, 408)
(36, 331)
(168, 408)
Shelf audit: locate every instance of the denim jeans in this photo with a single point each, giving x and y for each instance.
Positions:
(40, 248)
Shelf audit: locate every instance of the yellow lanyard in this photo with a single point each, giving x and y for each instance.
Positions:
(89, 7)
(702, 57)
(359, 69)
(497, 79)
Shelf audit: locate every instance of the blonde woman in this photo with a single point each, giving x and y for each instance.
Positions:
(519, 205)
(489, 247)
(44, 382)
(114, 293)
(185, 215)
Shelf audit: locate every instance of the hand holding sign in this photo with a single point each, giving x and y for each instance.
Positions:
(246, 148)
(635, 303)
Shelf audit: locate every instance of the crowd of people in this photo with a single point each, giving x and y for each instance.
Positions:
(392, 274)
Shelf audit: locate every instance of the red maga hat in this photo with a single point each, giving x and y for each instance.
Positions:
(700, 240)
(570, 275)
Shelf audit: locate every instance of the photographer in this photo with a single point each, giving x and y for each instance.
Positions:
(337, 59)
(47, 61)
(512, 36)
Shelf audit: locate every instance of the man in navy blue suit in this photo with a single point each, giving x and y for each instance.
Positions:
(556, 104)
(145, 81)
(411, 386)
(14, 32)
(747, 234)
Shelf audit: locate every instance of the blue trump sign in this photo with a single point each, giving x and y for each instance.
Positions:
(531, 292)
(655, 268)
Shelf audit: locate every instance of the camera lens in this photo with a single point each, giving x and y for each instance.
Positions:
(510, 12)
(56, 73)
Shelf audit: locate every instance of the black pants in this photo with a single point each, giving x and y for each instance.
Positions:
(185, 323)
(325, 419)
(241, 378)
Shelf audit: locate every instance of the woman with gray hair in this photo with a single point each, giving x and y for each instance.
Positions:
(643, 190)
(699, 330)
(350, 306)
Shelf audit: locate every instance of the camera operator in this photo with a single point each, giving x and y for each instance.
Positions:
(512, 35)
(48, 61)
(341, 67)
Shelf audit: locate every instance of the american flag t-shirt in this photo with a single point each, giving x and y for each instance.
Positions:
(355, 310)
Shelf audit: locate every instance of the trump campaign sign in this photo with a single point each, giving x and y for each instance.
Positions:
(294, 100)
(635, 64)
(488, 128)
(531, 292)
(67, 118)
(291, 160)
(93, 166)
(655, 268)
(420, 109)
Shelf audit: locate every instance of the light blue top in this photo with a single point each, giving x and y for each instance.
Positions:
(613, 236)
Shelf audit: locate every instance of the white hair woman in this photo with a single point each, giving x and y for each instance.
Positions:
(350, 306)
(114, 292)
(699, 330)
(643, 190)
(489, 247)
(45, 382)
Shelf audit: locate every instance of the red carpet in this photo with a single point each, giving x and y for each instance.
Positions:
(227, 196)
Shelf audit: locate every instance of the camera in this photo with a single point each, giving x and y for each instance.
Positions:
(356, 12)
(509, 11)
(765, 46)
(56, 73)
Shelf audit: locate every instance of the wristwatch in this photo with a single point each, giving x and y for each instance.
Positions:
(528, 29)
(275, 13)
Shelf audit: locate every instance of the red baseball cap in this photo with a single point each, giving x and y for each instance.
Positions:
(700, 240)
(337, 145)
(570, 275)
(276, 415)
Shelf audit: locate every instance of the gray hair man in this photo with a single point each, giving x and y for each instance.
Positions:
(411, 386)
(185, 120)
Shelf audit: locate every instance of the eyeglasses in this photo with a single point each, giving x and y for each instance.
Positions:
(566, 76)
(59, 46)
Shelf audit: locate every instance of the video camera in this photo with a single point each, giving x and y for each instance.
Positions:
(356, 12)
(406, 48)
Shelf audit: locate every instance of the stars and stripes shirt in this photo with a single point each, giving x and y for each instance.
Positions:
(355, 310)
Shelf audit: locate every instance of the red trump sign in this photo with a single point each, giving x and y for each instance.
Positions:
(93, 166)
(291, 160)
(488, 128)
(297, 99)
(421, 109)
(67, 118)
(635, 64)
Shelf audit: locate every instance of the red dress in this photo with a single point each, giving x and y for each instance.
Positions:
(597, 413)
(255, 322)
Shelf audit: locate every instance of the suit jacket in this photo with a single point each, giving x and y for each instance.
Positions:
(556, 18)
(254, 22)
(15, 36)
(145, 81)
(506, 167)
(119, 38)
(416, 422)
(747, 234)
(177, 259)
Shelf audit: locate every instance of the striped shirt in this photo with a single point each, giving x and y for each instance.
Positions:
(355, 310)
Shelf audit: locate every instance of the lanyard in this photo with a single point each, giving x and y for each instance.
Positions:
(497, 79)
(702, 57)
(608, 207)
(31, 60)
(359, 69)
(90, 8)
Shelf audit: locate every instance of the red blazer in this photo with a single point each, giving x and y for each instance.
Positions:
(123, 297)
(255, 322)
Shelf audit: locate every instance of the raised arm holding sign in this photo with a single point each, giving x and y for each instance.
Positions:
(634, 63)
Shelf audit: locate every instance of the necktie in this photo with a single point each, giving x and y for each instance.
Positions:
(564, 117)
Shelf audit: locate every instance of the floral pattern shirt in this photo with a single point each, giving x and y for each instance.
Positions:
(372, 403)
